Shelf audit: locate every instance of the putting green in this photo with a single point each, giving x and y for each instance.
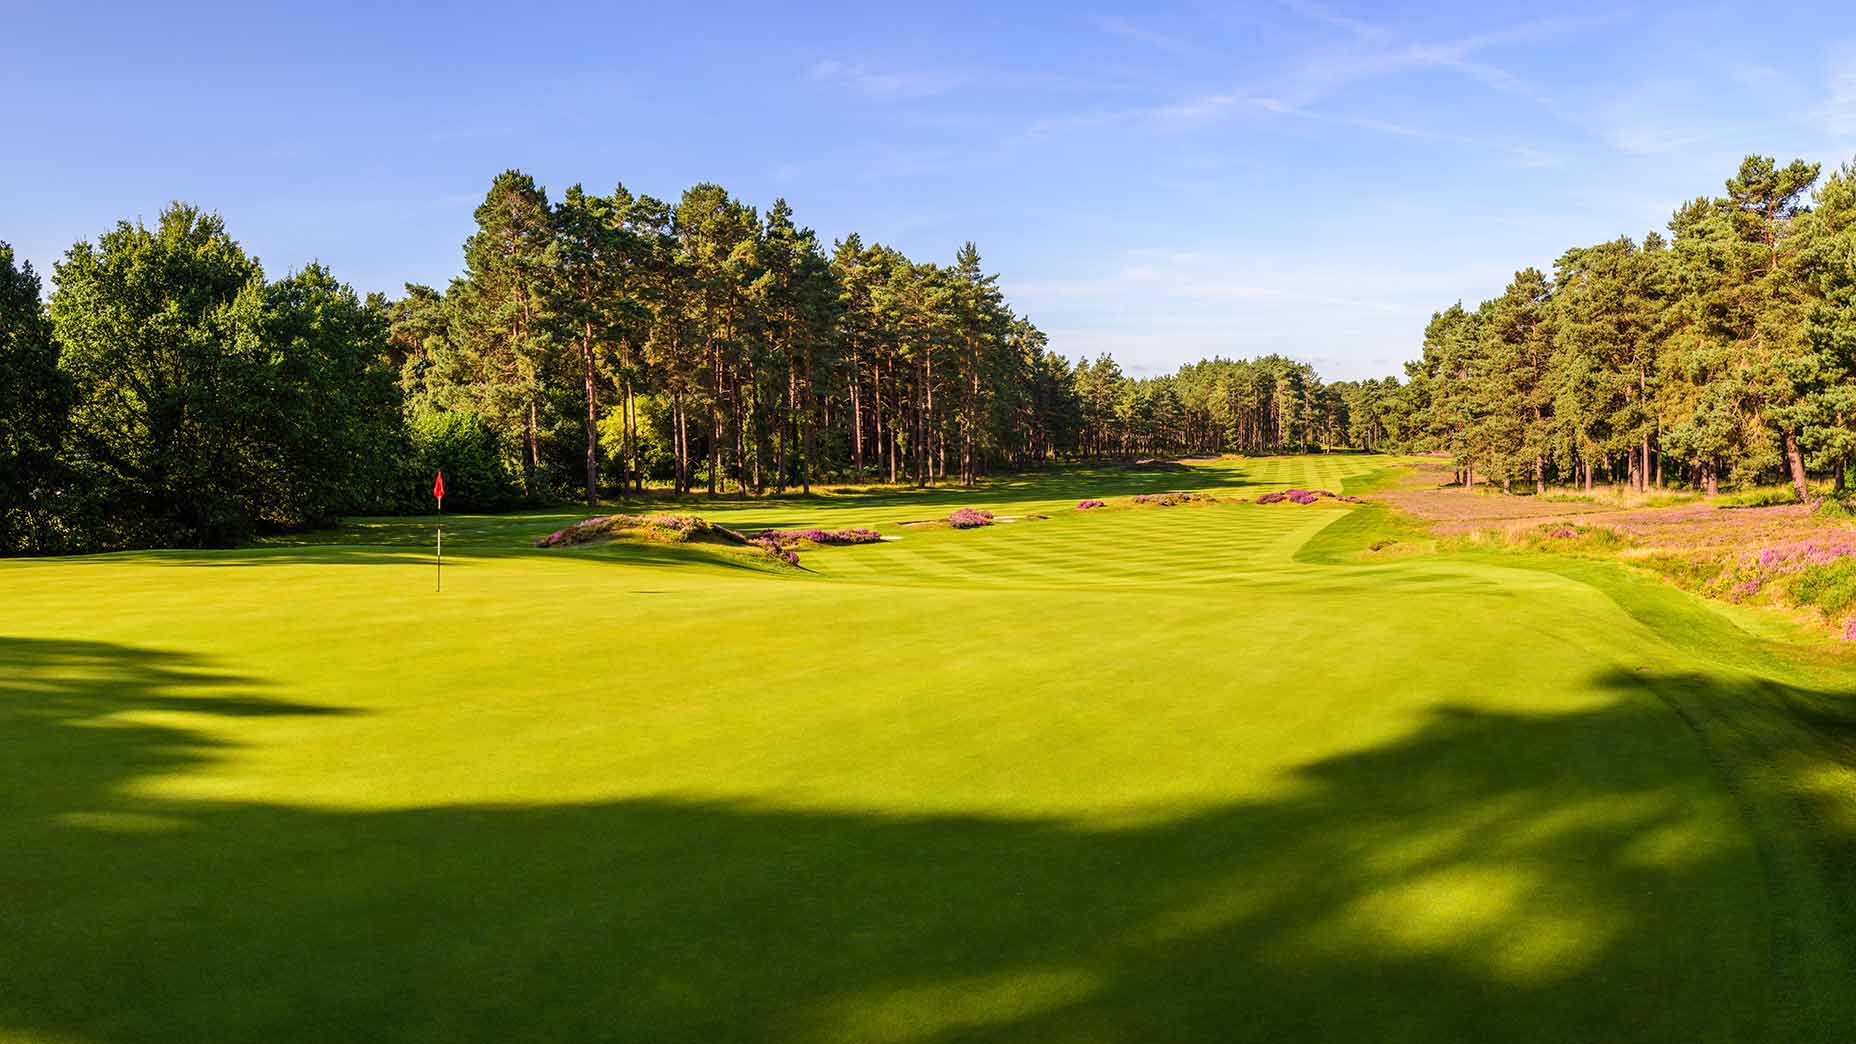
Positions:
(1136, 774)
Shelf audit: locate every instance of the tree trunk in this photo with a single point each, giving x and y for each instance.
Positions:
(857, 425)
(756, 419)
(592, 419)
(679, 438)
(715, 421)
(631, 438)
(894, 398)
(779, 441)
(927, 422)
(1794, 458)
(533, 463)
(741, 440)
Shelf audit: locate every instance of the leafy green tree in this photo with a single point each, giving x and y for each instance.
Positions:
(162, 332)
(471, 453)
(332, 442)
(35, 403)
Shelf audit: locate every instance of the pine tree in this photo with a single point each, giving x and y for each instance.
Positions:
(498, 356)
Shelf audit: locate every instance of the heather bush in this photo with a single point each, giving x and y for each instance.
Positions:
(826, 537)
(1172, 499)
(1304, 496)
(1089, 504)
(969, 518)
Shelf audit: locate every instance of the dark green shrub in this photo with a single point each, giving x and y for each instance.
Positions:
(1830, 587)
(470, 453)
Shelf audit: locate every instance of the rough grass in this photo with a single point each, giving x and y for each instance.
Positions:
(1218, 774)
(1830, 587)
(1759, 496)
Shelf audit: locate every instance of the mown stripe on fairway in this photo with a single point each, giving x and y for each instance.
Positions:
(1153, 547)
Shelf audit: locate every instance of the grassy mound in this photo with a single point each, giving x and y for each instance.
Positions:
(1173, 499)
(817, 537)
(1305, 496)
(785, 544)
(672, 529)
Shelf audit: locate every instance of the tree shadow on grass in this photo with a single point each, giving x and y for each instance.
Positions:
(1487, 876)
(632, 552)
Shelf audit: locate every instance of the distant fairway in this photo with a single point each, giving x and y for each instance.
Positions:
(1138, 774)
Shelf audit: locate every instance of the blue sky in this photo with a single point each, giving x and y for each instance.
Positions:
(1163, 183)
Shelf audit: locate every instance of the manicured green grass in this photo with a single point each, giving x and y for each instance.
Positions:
(1135, 774)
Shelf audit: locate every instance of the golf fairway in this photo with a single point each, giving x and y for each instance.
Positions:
(1132, 774)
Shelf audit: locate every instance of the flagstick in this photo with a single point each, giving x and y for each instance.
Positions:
(441, 545)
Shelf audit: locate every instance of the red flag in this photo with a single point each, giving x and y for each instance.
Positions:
(438, 488)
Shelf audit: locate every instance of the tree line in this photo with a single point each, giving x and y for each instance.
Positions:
(168, 393)
(1724, 353)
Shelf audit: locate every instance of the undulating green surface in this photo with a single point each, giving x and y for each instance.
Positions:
(1191, 773)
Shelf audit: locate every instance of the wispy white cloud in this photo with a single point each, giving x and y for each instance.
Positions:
(1523, 155)
(1752, 74)
(1161, 307)
(1328, 16)
(879, 82)
(876, 80)
(1317, 75)
(1184, 114)
(1373, 50)
(1216, 277)
(1659, 118)
(1206, 107)
(1839, 108)
(1159, 41)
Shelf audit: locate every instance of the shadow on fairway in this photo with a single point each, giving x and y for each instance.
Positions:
(1489, 876)
(665, 555)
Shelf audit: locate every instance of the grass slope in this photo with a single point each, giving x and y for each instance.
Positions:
(1130, 774)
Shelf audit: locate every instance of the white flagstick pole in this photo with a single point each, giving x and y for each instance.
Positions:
(441, 543)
